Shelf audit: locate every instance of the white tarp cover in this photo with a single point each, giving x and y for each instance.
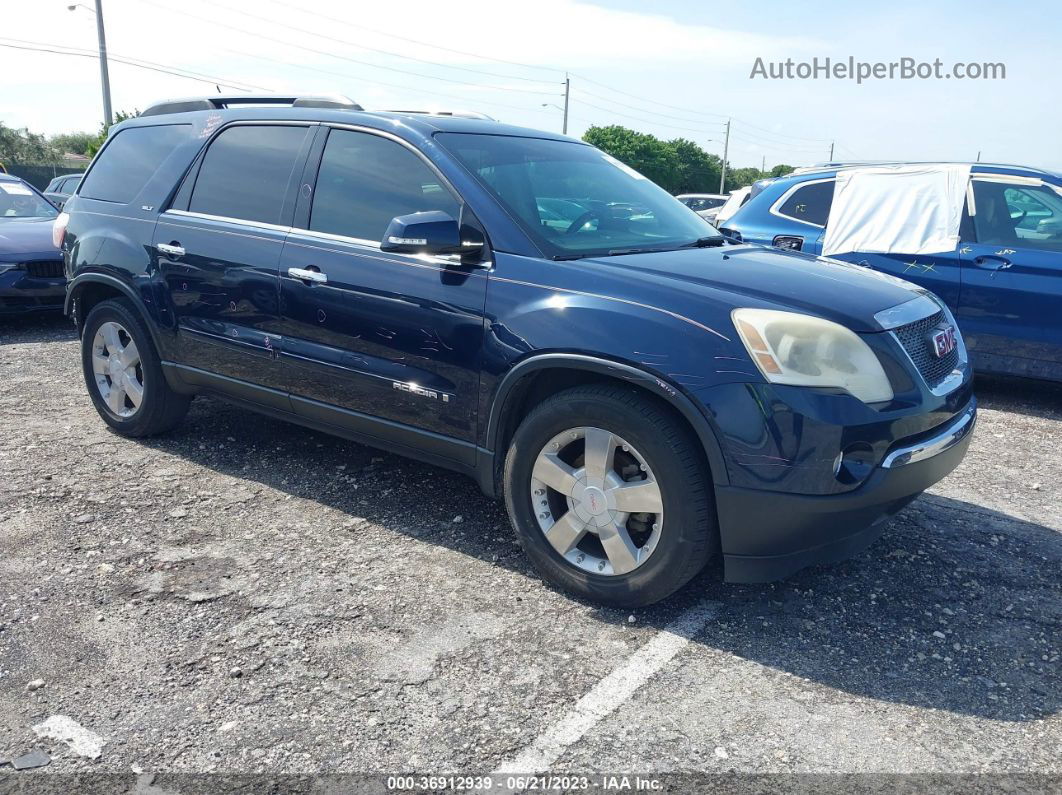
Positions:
(897, 209)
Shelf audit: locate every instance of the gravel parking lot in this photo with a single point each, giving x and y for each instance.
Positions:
(244, 595)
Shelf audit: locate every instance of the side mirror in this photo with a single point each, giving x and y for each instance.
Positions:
(432, 232)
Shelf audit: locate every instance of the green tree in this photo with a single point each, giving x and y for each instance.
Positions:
(97, 141)
(781, 170)
(740, 177)
(75, 142)
(698, 171)
(20, 146)
(646, 154)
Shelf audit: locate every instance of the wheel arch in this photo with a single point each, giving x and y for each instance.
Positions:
(525, 380)
(101, 287)
(98, 287)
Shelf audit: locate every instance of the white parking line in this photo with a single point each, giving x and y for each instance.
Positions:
(610, 693)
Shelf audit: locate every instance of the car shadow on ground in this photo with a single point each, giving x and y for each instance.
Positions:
(45, 327)
(1022, 395)
(956, 608)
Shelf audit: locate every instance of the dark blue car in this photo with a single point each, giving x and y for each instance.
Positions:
(520, 307)
(1000, 272)
(31, 265)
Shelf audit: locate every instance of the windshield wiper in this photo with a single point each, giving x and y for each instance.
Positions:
(705, 242)
(701, 242)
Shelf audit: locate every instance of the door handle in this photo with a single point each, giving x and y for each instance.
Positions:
(308, 275)
(174, 249)
(992, 263)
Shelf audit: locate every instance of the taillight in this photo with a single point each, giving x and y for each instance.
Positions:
(59, 229)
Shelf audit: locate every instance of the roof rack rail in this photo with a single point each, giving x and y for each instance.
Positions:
(221, 101)
(457, 114)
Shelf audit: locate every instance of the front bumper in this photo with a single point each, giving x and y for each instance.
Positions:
(21, 293)
(768, 535)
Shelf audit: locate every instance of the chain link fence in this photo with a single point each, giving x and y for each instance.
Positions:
(40, 174)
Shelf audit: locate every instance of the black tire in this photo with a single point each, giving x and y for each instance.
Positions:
(161, 408)
(688, 535)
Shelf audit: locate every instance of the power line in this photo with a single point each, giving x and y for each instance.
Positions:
(377, 32)
(176, 71)
(305, 12)
(349, 76)
(373, 49)
(583, 92)
(651, 121)
(216, 23)
(691, 112)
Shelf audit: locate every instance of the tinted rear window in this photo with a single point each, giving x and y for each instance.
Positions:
(246, 172)
(810, 203)
(130, 160)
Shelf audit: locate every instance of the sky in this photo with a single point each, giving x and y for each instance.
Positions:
(674, 69)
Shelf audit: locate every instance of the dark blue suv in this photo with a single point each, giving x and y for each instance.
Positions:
(520, 307)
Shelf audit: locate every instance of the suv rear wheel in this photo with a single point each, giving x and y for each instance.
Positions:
(609, 496)
(124, 375)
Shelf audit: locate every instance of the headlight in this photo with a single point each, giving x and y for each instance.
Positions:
(790, 348)
(9, 266)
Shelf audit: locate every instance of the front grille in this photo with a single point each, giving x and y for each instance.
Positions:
(915, 339)
(48, 269)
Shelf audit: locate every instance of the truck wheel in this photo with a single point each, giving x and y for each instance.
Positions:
(610, 495)
(124, 375)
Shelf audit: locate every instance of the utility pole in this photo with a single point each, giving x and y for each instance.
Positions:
(567, 90)
(978, 155)
(831, 152)
(108, 117)
(726, 149)
(763, 166)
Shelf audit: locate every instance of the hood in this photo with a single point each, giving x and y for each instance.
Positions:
(24, 239)
(750, 275)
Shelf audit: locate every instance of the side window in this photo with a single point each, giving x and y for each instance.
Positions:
(365, 180)
(130, 160)
(246, 173)
(1029, 216)
(809, 203)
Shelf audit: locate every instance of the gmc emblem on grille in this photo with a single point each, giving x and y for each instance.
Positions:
(943, 341)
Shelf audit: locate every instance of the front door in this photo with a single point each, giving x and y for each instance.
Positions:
(1012, 276)
(219, 250)
(387, 344)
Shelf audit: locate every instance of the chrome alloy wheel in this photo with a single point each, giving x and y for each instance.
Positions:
(117, 369)
(597, 501)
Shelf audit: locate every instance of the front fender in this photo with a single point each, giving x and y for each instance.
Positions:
(699, 420)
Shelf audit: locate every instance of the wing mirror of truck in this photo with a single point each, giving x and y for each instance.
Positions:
(432, 232)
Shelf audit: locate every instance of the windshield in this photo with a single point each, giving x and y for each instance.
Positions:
(700, 203)
(575, 200)
(18, 200)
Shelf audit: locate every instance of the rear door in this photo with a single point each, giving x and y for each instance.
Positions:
(1012, 276)
(799, 216)
(219, 247)
(379, 342)
(938, 272)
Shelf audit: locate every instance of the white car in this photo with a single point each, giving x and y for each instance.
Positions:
(733, 203)
(704, 204)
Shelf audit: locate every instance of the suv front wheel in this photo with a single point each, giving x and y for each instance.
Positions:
(610, 496)
(123, 373)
